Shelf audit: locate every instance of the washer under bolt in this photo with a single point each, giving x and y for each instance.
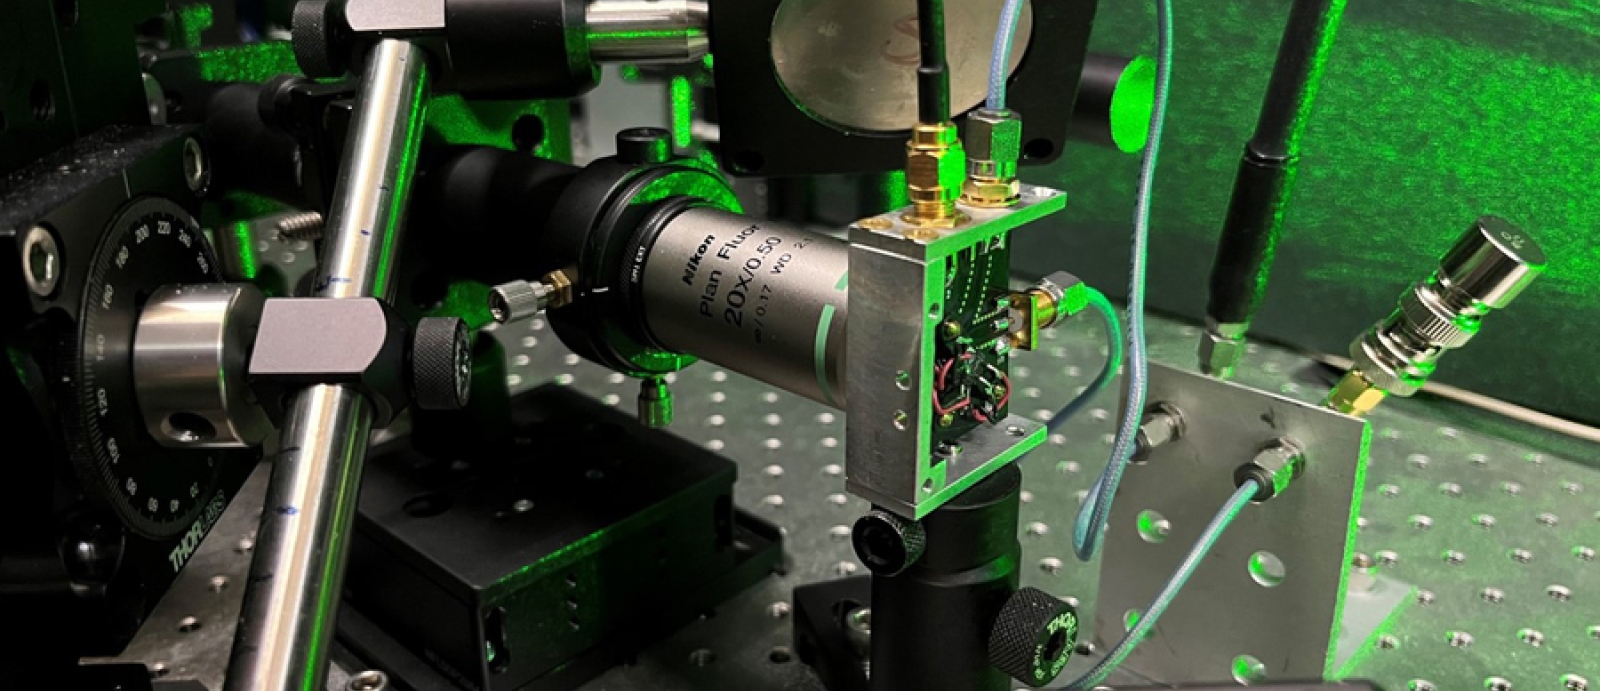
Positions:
(370, 680)
(196, 169)
(41, 261)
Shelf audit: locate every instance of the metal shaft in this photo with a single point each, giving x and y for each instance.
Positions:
(649, 31)
(296, 575)
(1265, 180)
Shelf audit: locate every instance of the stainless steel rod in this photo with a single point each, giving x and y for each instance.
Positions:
(649, 31)
(292, 596)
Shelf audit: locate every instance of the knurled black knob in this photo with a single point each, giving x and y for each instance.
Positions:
(887, 543)
(1033, 637)
(441, 363)
(314, 24)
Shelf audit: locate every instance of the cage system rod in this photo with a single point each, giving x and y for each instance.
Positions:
(1265, 180)
(287, 621)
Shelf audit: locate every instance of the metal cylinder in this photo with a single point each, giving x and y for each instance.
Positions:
(1485, 270)
(292, 596)
(967, 572)
(517, 300)
(648, 31)
(191, 353)
(763, 299)
(1492, 263)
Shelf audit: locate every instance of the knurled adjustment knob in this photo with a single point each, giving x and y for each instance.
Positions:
(315, 23)
(888, 544)
(1033, 637)
(441, 363)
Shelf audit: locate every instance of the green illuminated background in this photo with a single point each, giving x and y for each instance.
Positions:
(1431, 113)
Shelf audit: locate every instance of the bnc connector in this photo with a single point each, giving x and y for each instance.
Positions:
(1492, 263)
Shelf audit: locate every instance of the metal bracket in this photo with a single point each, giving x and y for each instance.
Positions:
(1268, 601)
(897, 280)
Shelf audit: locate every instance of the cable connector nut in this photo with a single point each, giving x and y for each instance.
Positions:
(1044, 305)
(1276, 465)
(994, 145)
(1489, 265)
(1162, 423)
(1222, 348)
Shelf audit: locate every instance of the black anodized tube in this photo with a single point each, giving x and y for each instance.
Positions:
(1261, 191)
(1249, 240)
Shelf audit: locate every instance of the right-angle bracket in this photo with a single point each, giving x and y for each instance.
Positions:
(1267, 601)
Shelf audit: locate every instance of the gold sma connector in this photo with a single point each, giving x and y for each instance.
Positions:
(1355, 395)
(935, 168)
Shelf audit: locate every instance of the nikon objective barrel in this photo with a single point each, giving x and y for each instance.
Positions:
(763, 299)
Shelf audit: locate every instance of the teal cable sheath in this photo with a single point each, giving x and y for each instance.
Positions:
(1108, 371)
(1096, 510)
(1151, 615)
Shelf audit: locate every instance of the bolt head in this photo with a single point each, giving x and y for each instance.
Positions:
(875, 223)
(196, 169)
(41, 261)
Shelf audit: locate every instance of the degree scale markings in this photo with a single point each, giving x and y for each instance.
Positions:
(150, 243)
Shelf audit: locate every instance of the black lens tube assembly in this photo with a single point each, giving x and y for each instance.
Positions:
(1265, 180)
(665, 270)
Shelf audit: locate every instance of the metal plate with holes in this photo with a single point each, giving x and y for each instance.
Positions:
(1279, 569)
(791, 456)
